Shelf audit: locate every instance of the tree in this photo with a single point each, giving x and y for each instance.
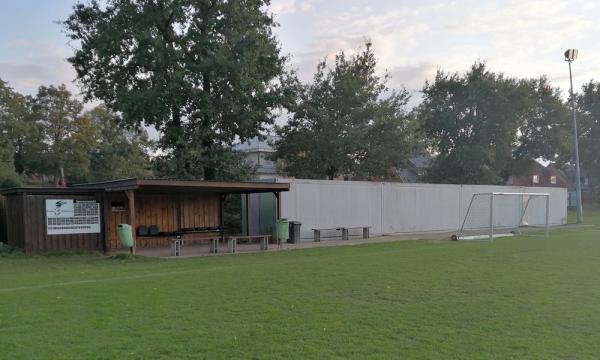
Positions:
(67, 135)
(8, 174)
(482, 126)
(226, 164)
(119, 152)
(203, 72)
(588, 106)
(545, 127)
(346, 122)
(20, 133)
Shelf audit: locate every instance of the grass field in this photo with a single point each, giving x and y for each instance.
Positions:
(591, 215)
(527, 297)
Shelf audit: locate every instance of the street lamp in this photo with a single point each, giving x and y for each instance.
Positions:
(570, 56)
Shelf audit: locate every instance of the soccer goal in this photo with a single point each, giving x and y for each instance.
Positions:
(498, 214)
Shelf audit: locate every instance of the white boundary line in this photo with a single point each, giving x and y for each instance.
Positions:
(93, 281)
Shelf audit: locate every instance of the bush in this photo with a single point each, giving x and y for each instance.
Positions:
(8, 177)
(6, 249)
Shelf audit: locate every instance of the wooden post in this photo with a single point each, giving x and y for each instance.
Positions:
(222, 211)
(179, 212)
(131, 196)
(104, 219)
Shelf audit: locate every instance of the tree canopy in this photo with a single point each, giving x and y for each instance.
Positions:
(588, 105)
(346, 123)
(42, 134)
(67, 135)
(545, 129)
(203, 72)
(12, 133)
(119, 152)
(209, 73)
(482, 125)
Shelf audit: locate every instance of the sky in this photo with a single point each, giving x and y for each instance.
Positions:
(412, 39)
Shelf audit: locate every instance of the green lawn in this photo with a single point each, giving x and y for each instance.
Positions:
(591, 215)
(528, 297)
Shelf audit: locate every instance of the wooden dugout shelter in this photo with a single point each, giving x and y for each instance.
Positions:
(85, 217)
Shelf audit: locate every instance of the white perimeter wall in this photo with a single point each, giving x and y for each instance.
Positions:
(393, 207)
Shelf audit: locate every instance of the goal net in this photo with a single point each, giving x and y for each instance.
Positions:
(493, 215)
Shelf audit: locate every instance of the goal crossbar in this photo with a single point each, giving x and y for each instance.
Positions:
(490, 223)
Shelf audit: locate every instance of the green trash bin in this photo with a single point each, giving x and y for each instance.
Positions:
(283, 230)
(125, 235)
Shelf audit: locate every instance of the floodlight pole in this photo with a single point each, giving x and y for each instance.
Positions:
(569, 58)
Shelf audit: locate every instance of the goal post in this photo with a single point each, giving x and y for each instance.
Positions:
(500, 214)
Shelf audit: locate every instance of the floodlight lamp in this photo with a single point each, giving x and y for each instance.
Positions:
(571, 54)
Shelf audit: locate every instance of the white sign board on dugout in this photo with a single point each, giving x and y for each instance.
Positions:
(67, 216)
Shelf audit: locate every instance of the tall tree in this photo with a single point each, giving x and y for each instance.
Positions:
(545, 127)
(588, 105)
(8, 174)
(203, 72)
(67, 135)
(119, 152)
(226, 165)
(20, 131)
(483, 125)
(346, 122)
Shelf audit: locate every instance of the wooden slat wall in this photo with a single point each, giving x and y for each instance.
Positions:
(157, 209)
(200, 210)
(169, 211)
(36, 239)
(15, 226)
(3, 222)
(115, 218)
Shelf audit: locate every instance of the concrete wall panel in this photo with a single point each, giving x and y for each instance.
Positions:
(406, 208)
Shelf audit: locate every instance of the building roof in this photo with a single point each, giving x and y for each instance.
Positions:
(544, 173)
(408, 176)
(221, 187)
(421, 161)
(32, 190)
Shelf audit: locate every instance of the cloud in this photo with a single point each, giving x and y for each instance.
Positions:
(527, 38)
(39, 63)
(36, 48)
(411, 39)
(394, 35)
(520, 38)
(27, 77)
(412, 77)
(283, 7)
